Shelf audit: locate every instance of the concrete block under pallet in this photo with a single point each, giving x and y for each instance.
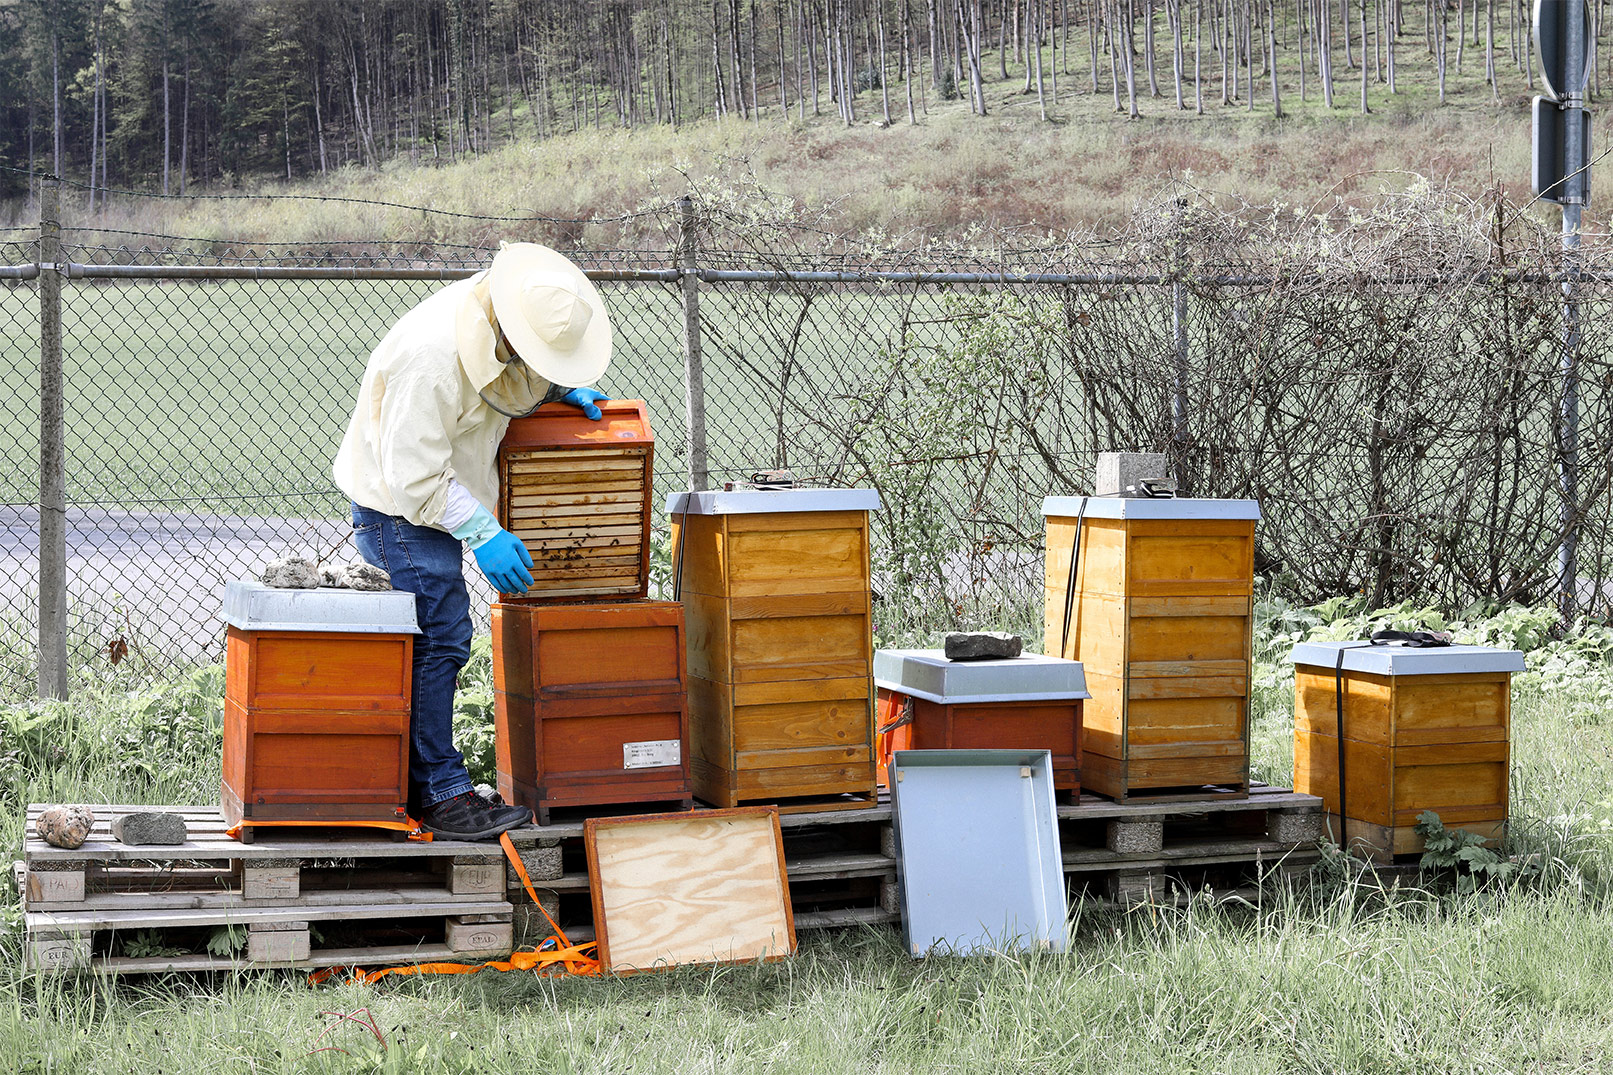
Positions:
(1135, 836)
(542, 862)
(476, 875)
(531, 928)
(278, 942)
(480, 936)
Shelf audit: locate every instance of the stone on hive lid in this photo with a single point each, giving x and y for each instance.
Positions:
(65, 826)
(982, 645)
(149, 827)
(291, 573)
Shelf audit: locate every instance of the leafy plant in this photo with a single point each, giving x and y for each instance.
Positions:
(1463, 851)
(227, 940)
(148, 942)
(473, 713)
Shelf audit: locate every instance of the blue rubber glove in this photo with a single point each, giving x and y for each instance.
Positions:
(585, 398)
(499, 553)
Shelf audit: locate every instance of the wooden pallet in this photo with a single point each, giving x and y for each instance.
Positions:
(403, 900)
(1137, 852)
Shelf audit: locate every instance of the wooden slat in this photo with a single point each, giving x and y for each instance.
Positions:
(588, 498)
(586, 539)
(384, 956)
(314, 907)
(628, 512)
(585, 483)
(586, 534)
(569, 463)
(544, 570)
(566, 590)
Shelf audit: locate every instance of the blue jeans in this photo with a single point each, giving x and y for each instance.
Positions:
(427, 563)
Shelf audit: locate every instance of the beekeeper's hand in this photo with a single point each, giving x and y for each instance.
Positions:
(499, 553)
(585, 398)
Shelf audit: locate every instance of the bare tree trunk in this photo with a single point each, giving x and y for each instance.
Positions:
(1092, 40)
(95, 114)
(884, 81)
(1440, 32)
(167, 138)
(1002, 37)
(1489, 50)
(1344, 20)
(1148, 46)
(1222, 46)
(1129, 46)
(1198, 48)
(184, 129)
(1173, 14)
(1271, 66)
(1035, 43)
(1299, 10)
(907, 60)
(1110, 13)
(1364, 108)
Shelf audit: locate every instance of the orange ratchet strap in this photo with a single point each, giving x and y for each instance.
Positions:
(411, 828)
(567, 958)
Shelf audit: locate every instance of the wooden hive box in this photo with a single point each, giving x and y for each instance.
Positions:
(1424, 729)
(577, 493)
(1029, 702)
(317, 687)
(775, 585)
(1158, 614)
(590, 704)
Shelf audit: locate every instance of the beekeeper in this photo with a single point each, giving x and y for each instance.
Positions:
(419, 462)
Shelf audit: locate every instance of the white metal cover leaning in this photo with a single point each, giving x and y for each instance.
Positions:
(759, 501)
(1407, 660)
(1142, 507)
(252, 606)
(978, 854)
(1030, 677)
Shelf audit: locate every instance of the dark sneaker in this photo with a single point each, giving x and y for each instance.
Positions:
(471, 817)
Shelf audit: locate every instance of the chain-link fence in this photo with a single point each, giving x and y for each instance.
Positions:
(1393, 401)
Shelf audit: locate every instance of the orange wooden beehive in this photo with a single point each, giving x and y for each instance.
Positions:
(316, 705)
(590, 704)
(1029, 702)
(577, 493)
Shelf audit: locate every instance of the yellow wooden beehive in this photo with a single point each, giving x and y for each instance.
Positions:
(1424, 729)
(776, 592)
(1159, 618)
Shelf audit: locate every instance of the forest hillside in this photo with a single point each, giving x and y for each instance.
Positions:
(899, 118)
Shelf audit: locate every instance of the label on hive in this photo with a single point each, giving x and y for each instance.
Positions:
(651, 754)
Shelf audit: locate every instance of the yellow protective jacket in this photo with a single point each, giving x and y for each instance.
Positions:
(422, 421)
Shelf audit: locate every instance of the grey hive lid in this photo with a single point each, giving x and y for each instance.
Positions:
(1141, 507)
(1407, 660)
(252, 606)
(760, 501)
(1030, 677)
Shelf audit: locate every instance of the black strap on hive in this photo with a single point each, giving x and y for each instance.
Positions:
(677, 559)
(1069, 590)
(1338, 702)
(1411, 639)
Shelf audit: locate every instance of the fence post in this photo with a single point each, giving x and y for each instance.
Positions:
(52, 461)
(1574, 198)
(693, 375)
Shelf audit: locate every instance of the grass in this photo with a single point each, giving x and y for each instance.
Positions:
(1335, 973)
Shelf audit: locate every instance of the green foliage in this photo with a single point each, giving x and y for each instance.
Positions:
(147, 942)
(226, 940)
(1463, 851)
(473, 713)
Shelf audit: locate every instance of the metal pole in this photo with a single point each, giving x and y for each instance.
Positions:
(694, 376)
(1574, 198)
(52, 460)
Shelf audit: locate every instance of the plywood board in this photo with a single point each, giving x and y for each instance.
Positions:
(670, 889)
